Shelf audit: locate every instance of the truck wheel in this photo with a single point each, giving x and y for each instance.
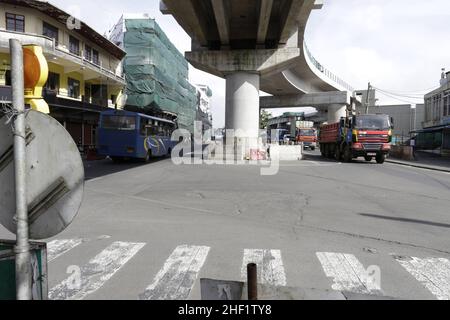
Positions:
(348, 155)
(338, 154)
(381, 159)
(368, 159)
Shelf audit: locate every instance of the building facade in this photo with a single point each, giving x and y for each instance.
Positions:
(204, 113)
(436, 133)
(85, 74)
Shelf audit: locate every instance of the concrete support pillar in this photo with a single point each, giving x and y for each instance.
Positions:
(242, 104)
(336, 112)
(242, 110)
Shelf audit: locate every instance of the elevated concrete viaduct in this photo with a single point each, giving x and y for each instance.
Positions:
(258, 45)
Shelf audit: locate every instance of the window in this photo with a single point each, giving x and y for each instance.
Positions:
(74, 88)
(52, 82)
(125, 123)
(51, 32)
(88, 53)
(446, 104)
(15, 22)
(144, 126)
(74, 45)
(95, 57)
(8, 78)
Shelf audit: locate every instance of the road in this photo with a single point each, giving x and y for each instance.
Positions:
(152, 231)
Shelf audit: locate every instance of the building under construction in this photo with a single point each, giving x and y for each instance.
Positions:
(156, 72)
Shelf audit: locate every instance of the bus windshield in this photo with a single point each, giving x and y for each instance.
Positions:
(373, 122)
(126, 123)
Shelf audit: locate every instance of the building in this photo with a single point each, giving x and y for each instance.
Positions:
(288, 121)
(368, 98)
(436, 133)
(85, 75)
(204, 113)
(156, 72)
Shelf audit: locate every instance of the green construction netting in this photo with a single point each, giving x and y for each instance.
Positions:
(157, 73)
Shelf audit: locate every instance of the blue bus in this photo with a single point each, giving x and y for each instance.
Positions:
(126, 135)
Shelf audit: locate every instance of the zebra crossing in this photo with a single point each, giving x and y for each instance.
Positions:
(179, 273)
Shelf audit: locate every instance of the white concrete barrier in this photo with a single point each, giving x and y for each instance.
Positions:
(286, 153)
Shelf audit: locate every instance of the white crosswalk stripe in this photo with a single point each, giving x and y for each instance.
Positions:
(349, 274)
(270, 266)
(433, 273)
(96, 273)
(57, 248)
(178, 275)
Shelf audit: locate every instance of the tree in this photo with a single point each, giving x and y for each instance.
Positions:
(264, 119)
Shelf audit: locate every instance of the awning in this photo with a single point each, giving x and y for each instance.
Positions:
(432, 129)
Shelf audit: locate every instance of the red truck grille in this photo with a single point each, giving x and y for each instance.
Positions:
(373, 146)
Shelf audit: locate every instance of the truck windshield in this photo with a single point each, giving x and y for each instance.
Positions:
(119, 123)
(308, 133)
(373, 122)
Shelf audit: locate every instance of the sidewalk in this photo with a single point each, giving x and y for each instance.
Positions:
(425, 161)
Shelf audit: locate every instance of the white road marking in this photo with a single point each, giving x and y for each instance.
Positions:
(434, 274)
(270, 266)
(178, 275)
(348, 273)
(95, 274)
(57, 248)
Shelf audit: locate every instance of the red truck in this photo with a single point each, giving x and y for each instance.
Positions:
(307, 136)
(367, 136)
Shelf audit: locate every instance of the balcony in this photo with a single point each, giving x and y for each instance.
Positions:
(61, 55)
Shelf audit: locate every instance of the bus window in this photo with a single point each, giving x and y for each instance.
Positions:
(125, 123)
(144, 127)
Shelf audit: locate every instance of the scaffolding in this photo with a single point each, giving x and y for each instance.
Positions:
(157, 74)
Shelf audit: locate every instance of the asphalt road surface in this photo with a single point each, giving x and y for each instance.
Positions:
(151, 231)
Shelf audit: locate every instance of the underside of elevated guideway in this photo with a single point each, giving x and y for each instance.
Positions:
(237, 28)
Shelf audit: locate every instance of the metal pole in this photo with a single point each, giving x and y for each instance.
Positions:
(252, 275)
(22, 249)
(367, 98)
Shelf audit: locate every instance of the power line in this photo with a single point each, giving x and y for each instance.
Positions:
(408, 94)
(419, 96)
(399, 99)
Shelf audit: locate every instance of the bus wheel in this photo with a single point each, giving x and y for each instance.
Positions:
(117, 159)
(368, 159)
(148, 157)
(381, 159)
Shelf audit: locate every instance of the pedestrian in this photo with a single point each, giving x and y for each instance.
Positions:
(412, 143)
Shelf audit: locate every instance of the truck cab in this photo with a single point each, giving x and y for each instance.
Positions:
(308, 137)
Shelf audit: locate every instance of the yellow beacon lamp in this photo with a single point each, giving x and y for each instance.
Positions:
(35, 76)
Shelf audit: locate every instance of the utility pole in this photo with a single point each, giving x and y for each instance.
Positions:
(367, 98)
(22, 249)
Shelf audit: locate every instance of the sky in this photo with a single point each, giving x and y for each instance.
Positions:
(399, 46)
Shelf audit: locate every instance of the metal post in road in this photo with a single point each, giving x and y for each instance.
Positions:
(252, 280)
(22, 249)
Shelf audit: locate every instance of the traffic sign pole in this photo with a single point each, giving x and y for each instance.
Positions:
(22, 249)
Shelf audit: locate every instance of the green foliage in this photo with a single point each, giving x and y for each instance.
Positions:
(264, 119)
